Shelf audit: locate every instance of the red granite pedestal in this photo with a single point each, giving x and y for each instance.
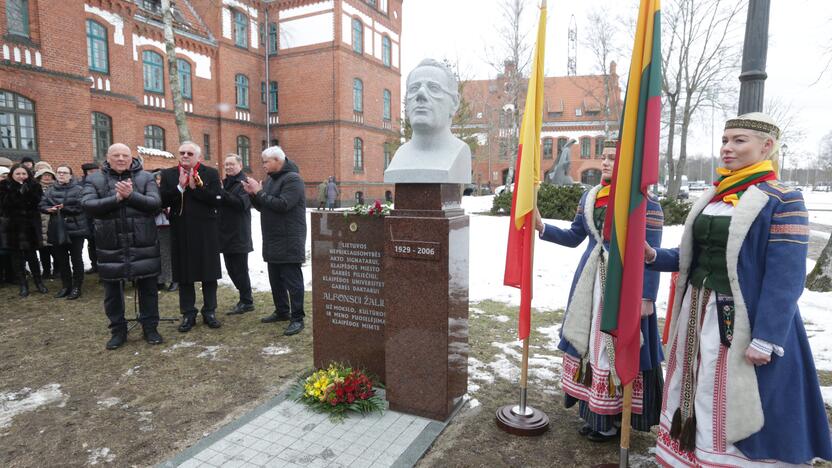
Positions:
(426, 298)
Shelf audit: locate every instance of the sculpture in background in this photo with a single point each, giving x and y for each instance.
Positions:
(560, 174)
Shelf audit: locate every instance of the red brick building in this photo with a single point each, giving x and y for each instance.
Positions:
(574, 109)
(319, 77)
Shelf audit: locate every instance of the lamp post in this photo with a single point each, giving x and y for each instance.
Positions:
(754, 50)
(783, 150)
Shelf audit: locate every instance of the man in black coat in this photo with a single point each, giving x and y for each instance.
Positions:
(235, 231)
(123, 199)
(282, 204)
(192, 191)
(90, 169)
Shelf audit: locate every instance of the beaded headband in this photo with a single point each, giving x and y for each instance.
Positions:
(757, 125)
(610, 143)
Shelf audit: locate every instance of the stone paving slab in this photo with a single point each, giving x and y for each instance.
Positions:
(283, 433)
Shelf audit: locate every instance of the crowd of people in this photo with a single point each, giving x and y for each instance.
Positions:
(164, 230)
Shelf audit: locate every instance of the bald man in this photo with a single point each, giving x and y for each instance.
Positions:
(124, 200)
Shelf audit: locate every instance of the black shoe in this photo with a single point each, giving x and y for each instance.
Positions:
(275, 317)
(210, 319)
(596, 436)
(91, 271)
(188, 322)
(74, 294)
(40, 287)
(240, 309)
(173, 287)
(62, 293)
(24, 288)
(117, 340)
(153, 337)
(585, 430)
(294, 328)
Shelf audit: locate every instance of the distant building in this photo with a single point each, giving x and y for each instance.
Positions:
(76, 76)
(574, 109)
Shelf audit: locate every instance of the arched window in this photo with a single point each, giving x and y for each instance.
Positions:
(385, 50)
(97, 57)
(241, 82)
(244, 150)
(153, 72)
(17, 124)
(357, 95)
(183, 69)
(585, 150)
(547, 148)
(591, 177)
(599, 147)
(357, 36)
(154, 137)
(102, 135)
(358, 155)
(240, 29)
(387, 101)
(17, 17)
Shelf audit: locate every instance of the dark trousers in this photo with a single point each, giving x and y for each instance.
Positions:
(46, 254)
(19, 260)
(92, 253)
(187, 298)
(237, 266)
(69, 261)
(148, 303)
(286, 281)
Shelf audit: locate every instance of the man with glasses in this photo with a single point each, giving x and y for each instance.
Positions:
(192, 192)
(434, 154)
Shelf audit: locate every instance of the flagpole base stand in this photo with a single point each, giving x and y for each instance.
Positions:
(533, 423)
(623, 460)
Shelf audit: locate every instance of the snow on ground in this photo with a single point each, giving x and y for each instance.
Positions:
(827, 395)
(100, 455)
(819, 205)
(14, 403)
(276, 350)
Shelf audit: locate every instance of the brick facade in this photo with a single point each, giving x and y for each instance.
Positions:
(313, 67)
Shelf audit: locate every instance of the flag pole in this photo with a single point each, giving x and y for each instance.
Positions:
(524, 368)
(624, 454)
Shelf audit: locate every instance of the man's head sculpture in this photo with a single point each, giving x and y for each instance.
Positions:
(432, 98)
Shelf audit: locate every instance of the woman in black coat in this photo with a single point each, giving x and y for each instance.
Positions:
(20, 223)
(67, 230)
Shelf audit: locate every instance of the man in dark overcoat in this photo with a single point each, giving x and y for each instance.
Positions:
(282, 205)
(192, 192)
(235, 231)
(123, 200)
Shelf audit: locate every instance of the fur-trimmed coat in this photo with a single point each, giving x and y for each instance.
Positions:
(575, 331)
(774, 411)
(20, 221)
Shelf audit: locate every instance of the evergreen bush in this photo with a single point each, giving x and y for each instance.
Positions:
(554, 202)
(675, 211)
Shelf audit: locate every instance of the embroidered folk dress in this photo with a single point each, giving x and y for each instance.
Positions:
(770, 415)
(585, 347)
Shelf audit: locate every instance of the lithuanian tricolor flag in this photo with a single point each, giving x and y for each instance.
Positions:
(520, 249)
(636, 168)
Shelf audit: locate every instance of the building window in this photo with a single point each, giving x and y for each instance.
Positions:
(387, 101)
(272, 38)
(599, 147)
(242, 91)
(547, 148)
(385, 50)
(591, 177)
(273, 97)
(102, 135)
(183, 69)
(152, 5)
(358, 155)
(240, 29)
(263, 92)
(17, 124)
(97, 47)
(357, 36)
(17, 17)
(206, 146)
(153, 72)
(388, 155)
(561, 144)
(154, 137)
(357, 95)
(585, 143)
(244, 150)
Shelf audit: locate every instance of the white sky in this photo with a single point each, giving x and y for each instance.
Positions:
(462, 30)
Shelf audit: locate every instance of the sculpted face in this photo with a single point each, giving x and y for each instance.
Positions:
(430, 104)
(742, 148)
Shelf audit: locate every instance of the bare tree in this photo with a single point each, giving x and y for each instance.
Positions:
(602, 39)
(820, 278)
(698, 63)
(173, 75)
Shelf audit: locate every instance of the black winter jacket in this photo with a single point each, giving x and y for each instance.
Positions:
(235, 216)
(126, 238)
(282, 204)
(69, 195)
(20, 224)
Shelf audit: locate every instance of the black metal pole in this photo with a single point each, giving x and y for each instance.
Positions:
(755, 49)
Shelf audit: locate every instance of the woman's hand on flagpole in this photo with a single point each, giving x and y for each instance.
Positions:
(538, 221)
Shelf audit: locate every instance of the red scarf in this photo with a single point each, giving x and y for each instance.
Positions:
(190, 172)
(603, 195)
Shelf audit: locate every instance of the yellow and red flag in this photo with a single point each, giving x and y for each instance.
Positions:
(636, 168)
(520, 250)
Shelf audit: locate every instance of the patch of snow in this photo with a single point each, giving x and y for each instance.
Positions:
(550, 336)
(477, 371)
(276, 350)
(100, 455)
(108, 402)
(181, 344)
(210, 352)
(475, 311)
(473, 403)
(472, 387)
(504, 368)
(15, 403)
(509, 348)
(477, 204)
(133, 370)
(827, 395)
(500, 318)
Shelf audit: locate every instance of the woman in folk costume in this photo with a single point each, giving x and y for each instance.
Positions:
(589, 377)
(742, 389)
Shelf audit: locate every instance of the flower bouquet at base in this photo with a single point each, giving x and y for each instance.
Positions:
(376, 209)
(339, 389)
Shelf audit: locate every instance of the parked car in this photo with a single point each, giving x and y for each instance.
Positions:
(502, 188)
